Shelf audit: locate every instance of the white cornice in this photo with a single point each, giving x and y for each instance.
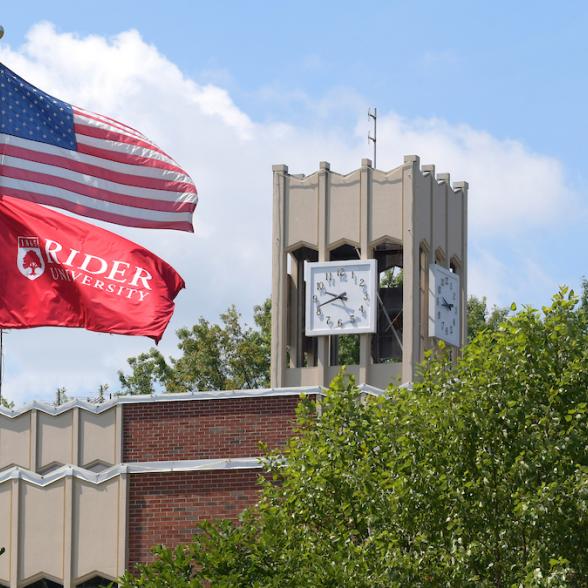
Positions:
(145, 398)
(145, 467)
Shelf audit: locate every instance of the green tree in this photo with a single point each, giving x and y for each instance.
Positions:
(224, 356)
(61, 396)
(348, 349)
(477, 476)
(584, 296)
(479, 318)
(392, 278)
(102, 392)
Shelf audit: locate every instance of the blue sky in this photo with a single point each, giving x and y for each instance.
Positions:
(493, 92)
(513, 68)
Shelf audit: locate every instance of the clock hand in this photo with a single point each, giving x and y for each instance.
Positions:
(342, 296)
(446, 304)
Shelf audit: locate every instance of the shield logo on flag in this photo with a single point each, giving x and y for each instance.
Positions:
(29, 259)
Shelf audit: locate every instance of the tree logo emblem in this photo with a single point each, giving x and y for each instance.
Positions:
(29, 259)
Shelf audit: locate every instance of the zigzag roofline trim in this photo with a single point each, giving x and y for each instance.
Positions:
(145, 467)
(144, 398)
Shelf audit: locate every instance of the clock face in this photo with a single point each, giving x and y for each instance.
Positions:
(444, 305)
(340, 297)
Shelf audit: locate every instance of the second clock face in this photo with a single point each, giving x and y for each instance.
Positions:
(340, 297)
(444, 305)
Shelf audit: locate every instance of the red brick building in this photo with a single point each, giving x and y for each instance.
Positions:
(213, 445)
(86, 491)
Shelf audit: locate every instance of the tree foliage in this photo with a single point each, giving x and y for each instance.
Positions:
(584, 296)
(61, 396)
(391, 278)
(480, 318)
(223, 356)
(477, 476)
(348, 349)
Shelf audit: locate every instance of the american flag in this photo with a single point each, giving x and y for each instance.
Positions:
(57, 154)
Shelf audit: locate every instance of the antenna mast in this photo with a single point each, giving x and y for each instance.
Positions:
(372, 139)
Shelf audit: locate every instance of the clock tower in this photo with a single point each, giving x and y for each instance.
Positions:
(369, 269)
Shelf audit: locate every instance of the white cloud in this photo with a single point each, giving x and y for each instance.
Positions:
(230, 156)
(507, 276)
(511, 188)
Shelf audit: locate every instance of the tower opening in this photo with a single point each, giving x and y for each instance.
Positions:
(387, 342)
(302, 350)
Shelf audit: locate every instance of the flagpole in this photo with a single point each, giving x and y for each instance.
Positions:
(1, 362)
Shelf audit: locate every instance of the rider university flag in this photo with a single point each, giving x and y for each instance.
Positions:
(59, 271)
(54, 153)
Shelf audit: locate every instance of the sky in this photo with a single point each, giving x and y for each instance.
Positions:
(493, 93)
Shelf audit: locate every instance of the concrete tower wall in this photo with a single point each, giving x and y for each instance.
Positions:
(408, 206)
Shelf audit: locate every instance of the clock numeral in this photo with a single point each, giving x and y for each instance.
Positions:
(365, 296)
(315, 298)
(329, 321)
(362, 309)
(328, 276)
(339, 323)
(341, 272)
(438, 314)
(362, 282)
(319, 312)
(454, 322)
(320, 286)
(438, 289)
(353, 274)
(352, 318)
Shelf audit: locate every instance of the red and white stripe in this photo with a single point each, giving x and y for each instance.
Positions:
(116, 175)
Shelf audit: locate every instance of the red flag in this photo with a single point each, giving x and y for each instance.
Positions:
(59, 271)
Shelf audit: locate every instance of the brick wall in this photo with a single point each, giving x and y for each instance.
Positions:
(164, 508)
(206, 429)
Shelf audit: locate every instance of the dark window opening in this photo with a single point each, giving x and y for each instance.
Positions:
(387, 342)
(96, 582)
(302, 349)
(344, 253)
(44, 583)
